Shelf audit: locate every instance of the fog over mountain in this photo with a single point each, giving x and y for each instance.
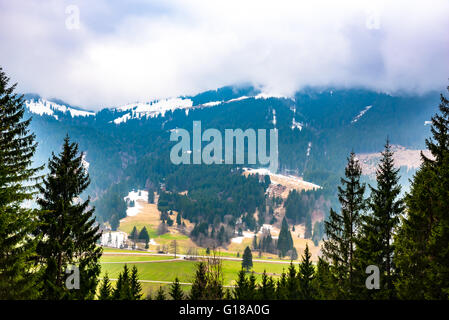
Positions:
(118, 54)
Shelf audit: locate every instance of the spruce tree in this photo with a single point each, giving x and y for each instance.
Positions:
(122, 290)
(422, 255)
(281, 287)
(160, 296)
(292, 283)
(247, 259)
(267, 288)
(342, 229)
(308, 225)
(134, 284)
(68, 227)
(134, 234)
(306, 276)
(151, 196)
(105, 292)
(375, 245)
(176, 291)
(199, 285)
(252, 287)
(241, 290)
(285, 241)
(324, 282)
(17, 184)
(143, 235)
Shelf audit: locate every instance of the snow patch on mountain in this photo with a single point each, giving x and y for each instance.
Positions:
(134, 196)
(43, 106)
(361, 114)
(264, 95)
(212, 103)
(296, 124)
(152, 109)
(123, 118)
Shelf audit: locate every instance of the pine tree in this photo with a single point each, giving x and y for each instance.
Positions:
(143, 235)
(17, 245)
(306, 276)
(342, 228)
(160, 296)
(292, 283)
(375, 244)
(422, 254)
(134, 234)
(105, 292)
(285, 241)
(324, 282)
(252, 287)
(308, 231)
(267, 288)
(247, 259)
(199, 285)
(176, 291)
(151, 196)
(178, 219)
(294, 254)
(241, 290)
(281, 287)
(135, 286)
(68, 227)
(122, 290)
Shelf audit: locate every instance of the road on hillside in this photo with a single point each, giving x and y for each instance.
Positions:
(185, 257)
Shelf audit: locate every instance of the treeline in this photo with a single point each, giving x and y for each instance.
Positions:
(401, 242)
(217, 198)
(48, 251)
(300, 206)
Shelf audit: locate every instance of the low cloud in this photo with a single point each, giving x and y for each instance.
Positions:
(139, 51)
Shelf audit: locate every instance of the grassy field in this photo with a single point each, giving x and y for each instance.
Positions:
(154, 274)
(125, 259)
(183, 269)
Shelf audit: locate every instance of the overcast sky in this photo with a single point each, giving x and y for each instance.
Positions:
(117, 53)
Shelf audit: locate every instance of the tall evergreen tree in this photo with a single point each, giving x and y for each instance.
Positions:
(199, 285)
(150, 196)
(324, 281)
(242, 289)
(160, 296)
(122, 289)
(134, 284)
(375, 245)
(342, 228)
(105, 292)
(143, 235)
(281, 287)
(267, 288)
(247, 259)
(17, 246)
(422, 254)
(285, 241)
(176, 291)
(134, 235)
(68, 227)
(306, 276)
(292, 283)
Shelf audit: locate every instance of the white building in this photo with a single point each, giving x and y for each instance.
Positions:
(115, 239)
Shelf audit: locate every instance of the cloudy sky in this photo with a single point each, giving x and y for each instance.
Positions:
(99, 53)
